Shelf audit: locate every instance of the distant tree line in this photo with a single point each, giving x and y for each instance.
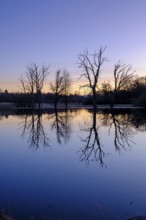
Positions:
(126, 88)
(25, 100)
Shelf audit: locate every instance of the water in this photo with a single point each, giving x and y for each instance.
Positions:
(74, 165)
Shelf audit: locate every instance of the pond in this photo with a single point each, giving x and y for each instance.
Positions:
(73, 165)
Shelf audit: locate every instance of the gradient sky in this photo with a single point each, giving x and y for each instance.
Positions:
(55, 31)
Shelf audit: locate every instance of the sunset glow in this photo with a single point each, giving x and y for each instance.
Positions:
(55, 32)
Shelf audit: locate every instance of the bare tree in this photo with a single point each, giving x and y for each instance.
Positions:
(33, 82)
(57, 87)
(123, 77)
(106, 91)
(91, 65)
(67, 85)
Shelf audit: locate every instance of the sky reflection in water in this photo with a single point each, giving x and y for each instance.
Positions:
(73, 165)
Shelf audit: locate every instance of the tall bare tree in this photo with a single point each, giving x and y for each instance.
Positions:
(91, 65)
(33, 81)
(57, 87)
(67, 85)
(106, 90)
(123, 77)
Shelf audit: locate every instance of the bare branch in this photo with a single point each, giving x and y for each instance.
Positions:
(34, 80)
(123, 76)
(61, 85)
(91, 65)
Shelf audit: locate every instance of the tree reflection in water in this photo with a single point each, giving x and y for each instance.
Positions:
(61, 124)
(121, 125)
(123, 133)
(32, 128)
(92, 149)
(122, 130)
(138, 120)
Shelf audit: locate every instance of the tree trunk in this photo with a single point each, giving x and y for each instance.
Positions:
(94, 99)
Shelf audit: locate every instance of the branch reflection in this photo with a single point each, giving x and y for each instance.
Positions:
(119, 126)
(61, 124)
(32, 128)
(122, 129)
(92, 149)
(138, 120)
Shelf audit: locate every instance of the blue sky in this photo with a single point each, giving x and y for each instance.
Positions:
(55, 31)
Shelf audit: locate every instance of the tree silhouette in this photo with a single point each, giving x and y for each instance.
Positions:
(91, 65)
(67, 86)
(57, 87)
(123, 78)
(33, 82)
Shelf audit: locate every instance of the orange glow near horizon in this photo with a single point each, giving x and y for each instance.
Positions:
(11, 86)
(15, 86)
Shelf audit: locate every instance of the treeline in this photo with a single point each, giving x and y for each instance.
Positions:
(126, 87)
(25, 99)
(136, 95)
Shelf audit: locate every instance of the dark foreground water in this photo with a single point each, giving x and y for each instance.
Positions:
(74, 165)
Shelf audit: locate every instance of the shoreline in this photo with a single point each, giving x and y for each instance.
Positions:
(45, 106)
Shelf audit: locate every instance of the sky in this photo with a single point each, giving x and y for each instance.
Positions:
(55, 32)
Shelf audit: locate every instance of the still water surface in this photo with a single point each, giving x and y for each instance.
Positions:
(74, 165)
